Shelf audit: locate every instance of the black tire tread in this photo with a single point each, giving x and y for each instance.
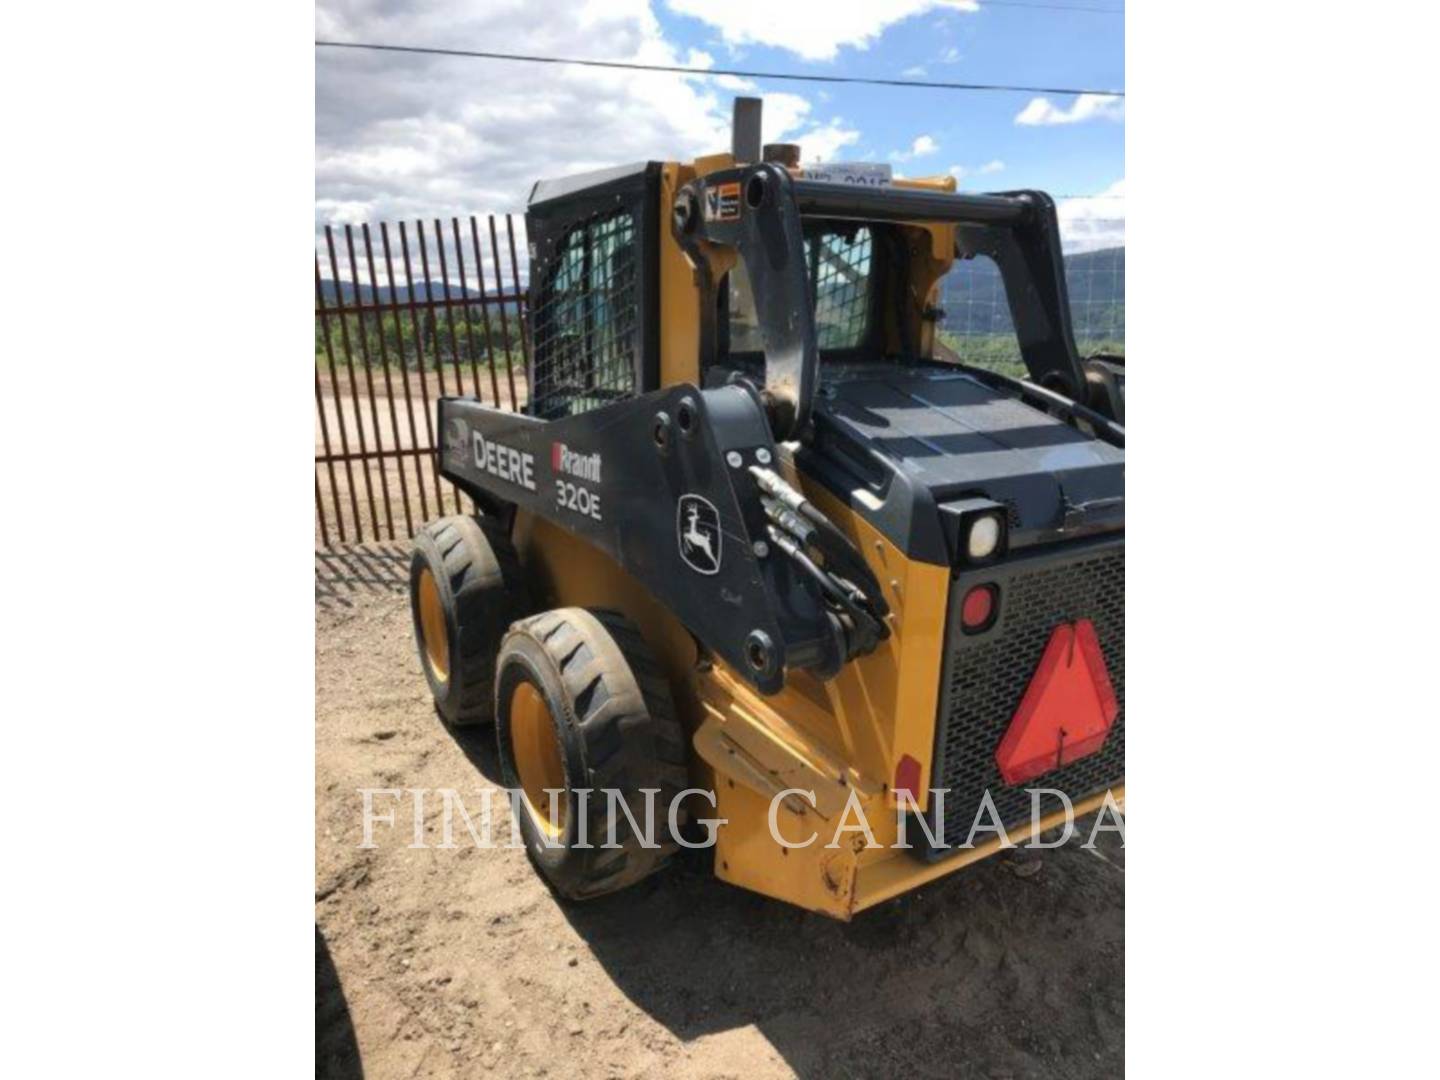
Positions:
(485, 578)
(631, 736)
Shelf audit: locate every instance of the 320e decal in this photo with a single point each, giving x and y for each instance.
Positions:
(572, 496)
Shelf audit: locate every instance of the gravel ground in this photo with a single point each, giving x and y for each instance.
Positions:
(461, 963)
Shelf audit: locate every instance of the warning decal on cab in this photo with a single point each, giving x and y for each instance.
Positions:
(722, 202)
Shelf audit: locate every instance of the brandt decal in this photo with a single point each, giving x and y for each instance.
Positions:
(581, 466)
(697, 523)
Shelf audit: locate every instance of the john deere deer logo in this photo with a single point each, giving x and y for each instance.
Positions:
(697, 523)
(457, 438)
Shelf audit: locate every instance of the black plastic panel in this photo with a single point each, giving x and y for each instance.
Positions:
(624, 477)
(895, 442)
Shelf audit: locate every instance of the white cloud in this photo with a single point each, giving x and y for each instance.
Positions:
(782, 115)
(960, 172)
(923, 146)
(1040, 111)
(802, 30)
(338, 212)
(407, 137)
(786, 118)
(950, 56)
(823, 143)
(916, 72)
(736, 84)
(1087, 224)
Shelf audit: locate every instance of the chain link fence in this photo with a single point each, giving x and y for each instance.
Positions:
(977, 324)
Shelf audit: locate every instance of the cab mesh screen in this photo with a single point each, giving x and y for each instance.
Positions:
(840, 274)
(587, 320)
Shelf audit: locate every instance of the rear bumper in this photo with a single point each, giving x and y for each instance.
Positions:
(887, 878)
(850, 877)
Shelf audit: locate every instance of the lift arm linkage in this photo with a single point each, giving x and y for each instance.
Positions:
(662, 483)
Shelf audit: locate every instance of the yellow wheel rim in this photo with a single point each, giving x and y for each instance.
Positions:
(432, 626)
(537, 759)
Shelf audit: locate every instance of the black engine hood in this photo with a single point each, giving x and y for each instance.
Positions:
(899, 443)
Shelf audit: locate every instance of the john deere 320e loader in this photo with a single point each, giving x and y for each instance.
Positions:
(757, 532)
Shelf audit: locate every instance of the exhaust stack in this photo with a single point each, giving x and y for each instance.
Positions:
(745, 130)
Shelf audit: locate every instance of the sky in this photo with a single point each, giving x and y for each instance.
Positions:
(406, 136)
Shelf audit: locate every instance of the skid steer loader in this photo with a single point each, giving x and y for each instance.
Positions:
(758, 533)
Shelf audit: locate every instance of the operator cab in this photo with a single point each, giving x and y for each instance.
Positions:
(822, 299)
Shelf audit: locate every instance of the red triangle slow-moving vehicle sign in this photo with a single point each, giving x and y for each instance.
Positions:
(1067, 709)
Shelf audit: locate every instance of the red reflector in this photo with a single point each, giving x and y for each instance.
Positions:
(1067, 709)
(978, 607)
(907, 776)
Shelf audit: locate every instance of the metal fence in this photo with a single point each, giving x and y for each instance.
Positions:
(403, 316)
(406, 314)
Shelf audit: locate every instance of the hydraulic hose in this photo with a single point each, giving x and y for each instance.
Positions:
(797, 524)
(839, 552)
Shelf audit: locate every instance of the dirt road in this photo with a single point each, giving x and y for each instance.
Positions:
(461, 963)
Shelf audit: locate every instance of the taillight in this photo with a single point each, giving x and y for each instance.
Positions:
(907, 776)
(978, 608)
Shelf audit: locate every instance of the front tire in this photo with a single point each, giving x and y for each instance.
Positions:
(581, 704)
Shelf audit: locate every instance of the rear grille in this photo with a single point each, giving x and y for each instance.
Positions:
(985, 676)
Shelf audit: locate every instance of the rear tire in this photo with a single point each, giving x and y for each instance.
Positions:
(466, 588)
(580, 702)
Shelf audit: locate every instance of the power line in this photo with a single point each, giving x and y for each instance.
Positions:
(626, 66)
(1051, 7)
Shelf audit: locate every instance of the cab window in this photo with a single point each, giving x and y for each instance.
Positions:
(587, 320)
(838, 259)
(840, 285)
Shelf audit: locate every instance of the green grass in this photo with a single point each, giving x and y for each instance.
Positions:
(1091, 346)
(1001, 352)
(503, 362)
(993, 352)
(400, 341)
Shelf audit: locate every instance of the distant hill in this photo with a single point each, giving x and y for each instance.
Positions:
(1096, 276)
(974, 298)
(348, 292)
